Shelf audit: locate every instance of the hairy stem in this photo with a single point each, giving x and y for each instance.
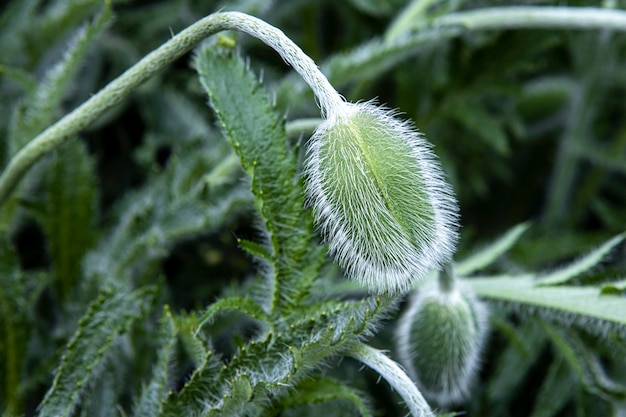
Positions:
(394, 375)
(152, 63)
(536, 18)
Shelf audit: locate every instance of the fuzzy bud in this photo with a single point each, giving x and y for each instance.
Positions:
(379, 197)
(440, 339)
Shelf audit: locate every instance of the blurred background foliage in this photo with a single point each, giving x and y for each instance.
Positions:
(528, 125)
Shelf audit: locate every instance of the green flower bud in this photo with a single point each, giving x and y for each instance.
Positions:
(440, 339)
(379, 197)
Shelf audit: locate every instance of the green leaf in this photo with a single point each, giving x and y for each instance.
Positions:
(272, 365)
(241, 304)
(201, 392)
(512, 365)
(555, 391)
(258, 136)
(186, 326)
(108, 316)
(487, 255)
(20, 77)
(14, 329)
(468, 110)
(323, 389)
(376, 8)
(584, 363)
(44, 105)
(192, 196)
(255, 249)
(69, 213)
(584, 302)
(105, 391)
(60, 15)
(153, 395)
(414, 14)
(14, 17)
(584, 264)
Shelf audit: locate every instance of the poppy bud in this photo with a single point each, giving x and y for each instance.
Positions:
(379, 197)
(440, 338)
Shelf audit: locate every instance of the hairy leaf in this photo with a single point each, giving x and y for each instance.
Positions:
(258, 136)
(43, 106)
(154, 394)
(241, 304)
(69, 213)
(192, 196)
(108, 316)
(584, 302)
(322, 389)
(14, 328)
(271, 365)
(584, 264)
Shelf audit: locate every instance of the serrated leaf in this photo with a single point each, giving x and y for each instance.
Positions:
(237, 401)
(60, 15)
(103, 394)
(258, 136)
(69, 215)
(20, 77)
(186, 327)
(487, 255)
(582, 265)
(255, 249)
(323, 389)
(240, 304)
(108, 316)
(153, 395)
(43, 106)
(178, 203)
(283, 357)
(201, 391)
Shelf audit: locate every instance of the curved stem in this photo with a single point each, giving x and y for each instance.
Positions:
(329, 100)
(394, 375)
(536, 17)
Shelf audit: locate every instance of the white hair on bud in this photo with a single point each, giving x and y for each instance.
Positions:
(444, 357)
(366, 215)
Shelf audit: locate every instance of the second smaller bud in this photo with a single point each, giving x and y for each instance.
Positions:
(440, 339)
